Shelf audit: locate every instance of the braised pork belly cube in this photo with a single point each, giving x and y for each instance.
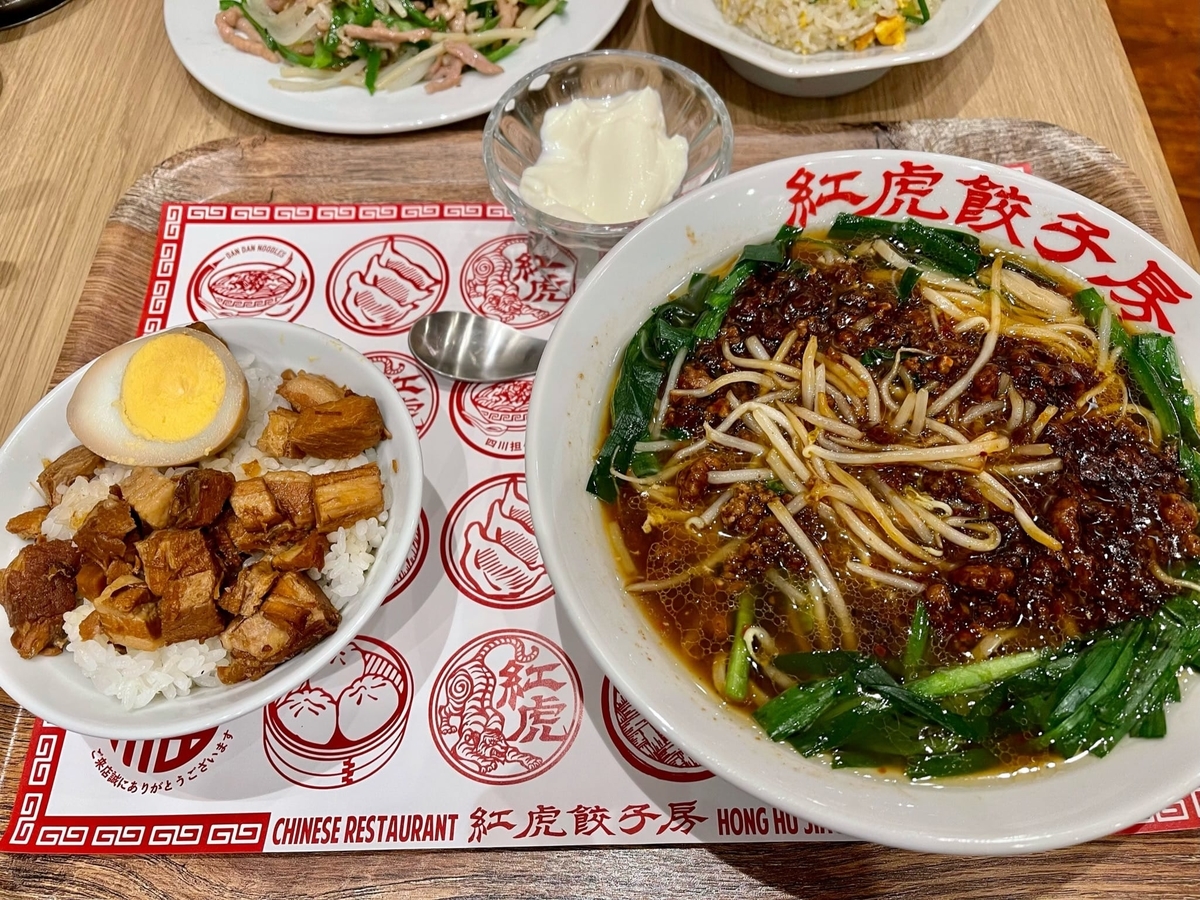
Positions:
(151, 494)
(172, 553)
(62, 471)
(299, 602)
(307, 554)
(130, 565)
(254, 505)
(305, 390)
(89, 628)
(200, 497)
(241, 669)
(253, 583)
(276, 437)
(338, 430)
(129, 615)
(342, 498)
(263, 641)
(91, 579)
(41, 636)
(39, 586)
(294, 616)
(101, 537)
(189, 608)
(225, 551)
(245, 540)
(293, 495)
(28, 525)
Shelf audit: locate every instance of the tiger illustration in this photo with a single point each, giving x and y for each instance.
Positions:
(470, 710)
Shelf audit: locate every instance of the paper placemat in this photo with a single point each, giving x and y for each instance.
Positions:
(469, 714)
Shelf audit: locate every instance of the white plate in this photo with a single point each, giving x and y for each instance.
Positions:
(54, 688)
(830, 72)
(242, 80)
(1077, 802)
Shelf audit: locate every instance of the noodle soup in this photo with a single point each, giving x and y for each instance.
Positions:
(913, 503)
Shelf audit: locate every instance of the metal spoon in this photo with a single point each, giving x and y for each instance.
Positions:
(474, 348)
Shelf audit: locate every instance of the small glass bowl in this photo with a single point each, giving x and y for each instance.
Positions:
(512, 138)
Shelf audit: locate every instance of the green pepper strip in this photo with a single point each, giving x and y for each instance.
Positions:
(411, 12)
(310, 62)
(502, 51)
(373, 58)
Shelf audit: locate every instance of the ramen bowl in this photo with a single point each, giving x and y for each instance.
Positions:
(1015, 813)
(55, 687)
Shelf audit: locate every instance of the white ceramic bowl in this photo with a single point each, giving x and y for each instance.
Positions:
(1076, 802)
(55, 689)
(830, 72)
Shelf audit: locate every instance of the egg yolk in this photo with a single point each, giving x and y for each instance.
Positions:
(172, 388)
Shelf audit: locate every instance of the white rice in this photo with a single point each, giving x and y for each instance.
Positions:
(77, 499)
(809, 26)
(137, 677)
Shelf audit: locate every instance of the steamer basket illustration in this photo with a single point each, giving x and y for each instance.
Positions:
(345, 726)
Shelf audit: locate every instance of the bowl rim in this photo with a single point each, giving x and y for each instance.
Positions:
(611, 230)
(613, 660)
(824, 63)
(308, 663)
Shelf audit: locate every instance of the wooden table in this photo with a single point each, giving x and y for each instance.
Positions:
(77, 134)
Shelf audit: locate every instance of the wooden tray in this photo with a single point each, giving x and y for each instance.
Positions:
(447, 166)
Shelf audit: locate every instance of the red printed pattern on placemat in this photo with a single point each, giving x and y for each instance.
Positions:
(641, 744)
(502, 280)
(252, 276)
(506, 707)
(414, 561)
(414, 383)
(32, 829)
(488, 547)
(382, 286)
(346, 726)
(491, 417)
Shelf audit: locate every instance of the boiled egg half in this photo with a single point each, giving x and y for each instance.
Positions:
(164, 400)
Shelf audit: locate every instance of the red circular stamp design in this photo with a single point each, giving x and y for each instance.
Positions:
(414, 383)
(488, 548)
(502, 280)
(506, 707)
(252, 276)
(383, 285)
(491, 417)
(344, 726)
(413, 561)
(642, 745)
(162, 755)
